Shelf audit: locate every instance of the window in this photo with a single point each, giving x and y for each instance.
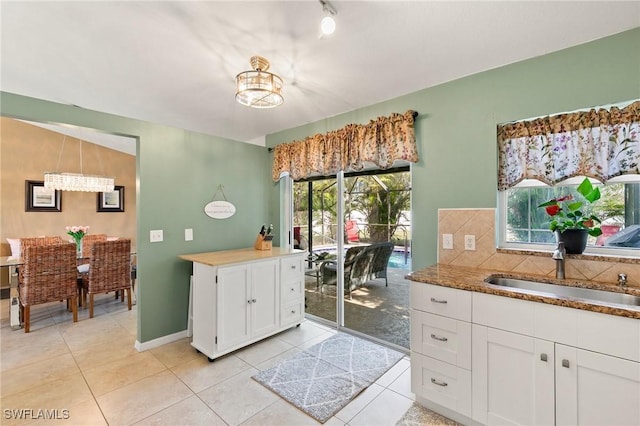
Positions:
(524, 225)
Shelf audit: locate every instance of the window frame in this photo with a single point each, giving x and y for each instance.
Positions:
(501, 231)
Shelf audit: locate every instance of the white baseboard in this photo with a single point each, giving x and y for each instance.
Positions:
(169, 338)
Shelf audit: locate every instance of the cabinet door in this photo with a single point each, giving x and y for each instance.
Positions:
(234, 303)
(513, 378)
(265, 306)
(596, 389)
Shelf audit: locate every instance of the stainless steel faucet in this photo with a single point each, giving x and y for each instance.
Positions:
(558, 255)
(622, 279)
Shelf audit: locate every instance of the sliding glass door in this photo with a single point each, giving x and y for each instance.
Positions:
(367, 252)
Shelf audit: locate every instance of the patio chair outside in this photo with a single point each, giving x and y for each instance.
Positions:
(362, 263)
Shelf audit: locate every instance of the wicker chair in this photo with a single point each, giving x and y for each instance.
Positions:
(48, 274)
(88, 241)
(39, 241)
(109, 270)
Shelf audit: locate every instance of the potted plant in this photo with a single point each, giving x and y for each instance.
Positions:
(570, 223)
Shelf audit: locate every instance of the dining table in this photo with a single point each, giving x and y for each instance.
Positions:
(12, 263)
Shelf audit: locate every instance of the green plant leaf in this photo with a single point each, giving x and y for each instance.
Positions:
(595, 232)
(574, 206)
(587, 190)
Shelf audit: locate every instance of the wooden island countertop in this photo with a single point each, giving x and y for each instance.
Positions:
(227, 257)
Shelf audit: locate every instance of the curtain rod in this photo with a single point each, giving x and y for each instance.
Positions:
(415, 114)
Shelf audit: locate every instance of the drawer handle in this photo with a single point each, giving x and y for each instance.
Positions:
(434, 300)
(565, 363)
(439, 383)
(293, 267)
(442, 339)
(543, 357)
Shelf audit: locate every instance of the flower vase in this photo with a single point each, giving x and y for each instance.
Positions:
(78, 247)
(575, 240)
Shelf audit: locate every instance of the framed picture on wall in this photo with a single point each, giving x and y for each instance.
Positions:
(37, 198)
(110, 202)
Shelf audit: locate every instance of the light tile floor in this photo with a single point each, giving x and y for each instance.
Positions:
(92, 370)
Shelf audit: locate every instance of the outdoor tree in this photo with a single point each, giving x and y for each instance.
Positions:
(382, 199)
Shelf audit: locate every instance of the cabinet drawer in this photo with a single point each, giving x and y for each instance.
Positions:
(291, 269)
(291, 314)
(291, 291)
(442, 383)
(435, 299)
(442, 338)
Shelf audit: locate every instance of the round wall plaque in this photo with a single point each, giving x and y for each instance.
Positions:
(220, 209)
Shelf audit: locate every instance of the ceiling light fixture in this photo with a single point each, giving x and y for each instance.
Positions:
(258, 88)
(328, 24)
(78, 181)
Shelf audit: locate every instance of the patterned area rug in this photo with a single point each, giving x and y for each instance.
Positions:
(417, 415)
(324, 378)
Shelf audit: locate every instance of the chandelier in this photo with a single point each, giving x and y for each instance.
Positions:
(78, 181)
(258, 88)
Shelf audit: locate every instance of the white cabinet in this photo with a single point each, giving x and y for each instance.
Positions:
(596, 389)
(498, 360)
(441, 346)
(537, 364)
(513, 378)
(236, 304)
(292, 290)
(249, 307)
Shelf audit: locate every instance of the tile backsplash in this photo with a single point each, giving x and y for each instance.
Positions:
(481, 224)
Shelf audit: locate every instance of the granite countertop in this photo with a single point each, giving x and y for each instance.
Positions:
(473, 279)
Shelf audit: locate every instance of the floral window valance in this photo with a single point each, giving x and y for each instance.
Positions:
(380, 142)
(600, 144)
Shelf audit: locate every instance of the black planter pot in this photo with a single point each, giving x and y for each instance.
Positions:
(575, 240)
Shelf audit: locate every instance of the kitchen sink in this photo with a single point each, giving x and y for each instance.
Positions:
(585, 294)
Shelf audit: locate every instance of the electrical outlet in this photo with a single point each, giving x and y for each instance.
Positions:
(469, 242)
(188, 234)
(447, 241)
(155, 236)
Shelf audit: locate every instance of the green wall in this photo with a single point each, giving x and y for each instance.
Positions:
(456, 128)
(178, 172)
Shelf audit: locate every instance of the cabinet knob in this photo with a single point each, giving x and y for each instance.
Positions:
(543, 357)
(565, 363)
(434, 300)
(253, 300)
(293, 266)
(293, 311)
(438, 382)
(249, 301)
(293, 289)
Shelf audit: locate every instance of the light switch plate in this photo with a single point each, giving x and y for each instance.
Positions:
(447, 241)
(469, 242)
(188, 234)
(155, 236)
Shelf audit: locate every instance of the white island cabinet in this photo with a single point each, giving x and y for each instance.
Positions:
(242, 296)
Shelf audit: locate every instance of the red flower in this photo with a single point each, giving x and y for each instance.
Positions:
(553, 209)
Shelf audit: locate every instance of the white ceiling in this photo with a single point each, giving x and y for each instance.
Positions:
(174, 62)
